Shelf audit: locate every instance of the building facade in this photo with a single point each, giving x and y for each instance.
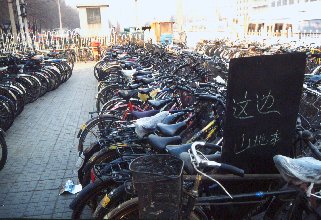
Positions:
(93, 16)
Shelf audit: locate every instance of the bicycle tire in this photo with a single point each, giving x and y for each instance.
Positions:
(105, 155)
(4, 150)
(129, 210)
(6, 115)
(89, 195)
(99, 122)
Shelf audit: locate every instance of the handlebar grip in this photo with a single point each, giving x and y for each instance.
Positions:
(231, 169)
(314, 150)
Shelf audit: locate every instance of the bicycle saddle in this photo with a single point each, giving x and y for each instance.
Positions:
(300, 170)
(147, 80)
(159, 103)
(173, 129)
(173, 117)
(176, 150)
(140, 75)
(135, 86)
(3, 68)
(138, 114)
(144, 72)
(160, 143)
(127, 94)
(140, 78)
(128, 73)
(145, 90)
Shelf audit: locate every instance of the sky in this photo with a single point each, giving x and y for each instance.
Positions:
(150, 10)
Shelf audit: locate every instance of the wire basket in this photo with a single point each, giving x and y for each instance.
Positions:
(310, 109)
(158, 182)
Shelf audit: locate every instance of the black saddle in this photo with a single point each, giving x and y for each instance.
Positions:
(138, 114)
(135, 86)
(143, 72)
(160, 143)
(173, 118)
(159, 103)
(145, 90)
(173, 129)
(127, 94)
(176, 150)
(146, 81)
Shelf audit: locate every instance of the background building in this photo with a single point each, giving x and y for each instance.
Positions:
(94, 18)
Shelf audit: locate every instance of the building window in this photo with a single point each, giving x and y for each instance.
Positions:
(273, 4)
(278, 3)
(291, 2)
(285, 2)
(93, 15)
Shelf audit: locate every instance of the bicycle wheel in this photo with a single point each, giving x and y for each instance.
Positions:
(129, 210)
(105, 155)
(98, 66)
(85, 203)
(6, 113)
(95, 129)
(105, 94)
(3, 152)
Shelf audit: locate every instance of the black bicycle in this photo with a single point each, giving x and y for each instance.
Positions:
(292, 201)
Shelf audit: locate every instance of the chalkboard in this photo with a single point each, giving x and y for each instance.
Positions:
(263, 96)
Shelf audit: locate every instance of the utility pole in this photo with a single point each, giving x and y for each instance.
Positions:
(20, 18)
(179, 15)
(25, 21)
(136, 9)
(60, 23)
(12, 21)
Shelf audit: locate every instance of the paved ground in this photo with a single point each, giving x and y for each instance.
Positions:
(42, 152)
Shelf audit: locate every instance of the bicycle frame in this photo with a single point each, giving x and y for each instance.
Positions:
(237, 199)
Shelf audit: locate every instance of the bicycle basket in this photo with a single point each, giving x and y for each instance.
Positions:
(158, 182)
(310, 109)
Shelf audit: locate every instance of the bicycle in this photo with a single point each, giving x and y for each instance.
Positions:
(192, 204)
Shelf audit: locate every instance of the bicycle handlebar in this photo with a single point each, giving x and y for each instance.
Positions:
(219, 166)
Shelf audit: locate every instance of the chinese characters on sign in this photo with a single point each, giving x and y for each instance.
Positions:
(258, 140)
(264, 105)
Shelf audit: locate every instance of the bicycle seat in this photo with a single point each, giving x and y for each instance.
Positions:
(140, 78)
(127, 94)
(176, 150)
(128, 73)
(172, 129)
(53, 60)
(143, 72)
(208, 97)
(172, 118)
(300, 170)
(160, 143)
(3, 68)
(138, 114)
(147, 80)
(159, 103)
(135, 86)
(38, 57)
(145, 90)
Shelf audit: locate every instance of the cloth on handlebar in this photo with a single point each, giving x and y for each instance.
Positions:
(146, 125)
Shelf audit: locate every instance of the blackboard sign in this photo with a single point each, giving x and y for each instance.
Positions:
(263, 96)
